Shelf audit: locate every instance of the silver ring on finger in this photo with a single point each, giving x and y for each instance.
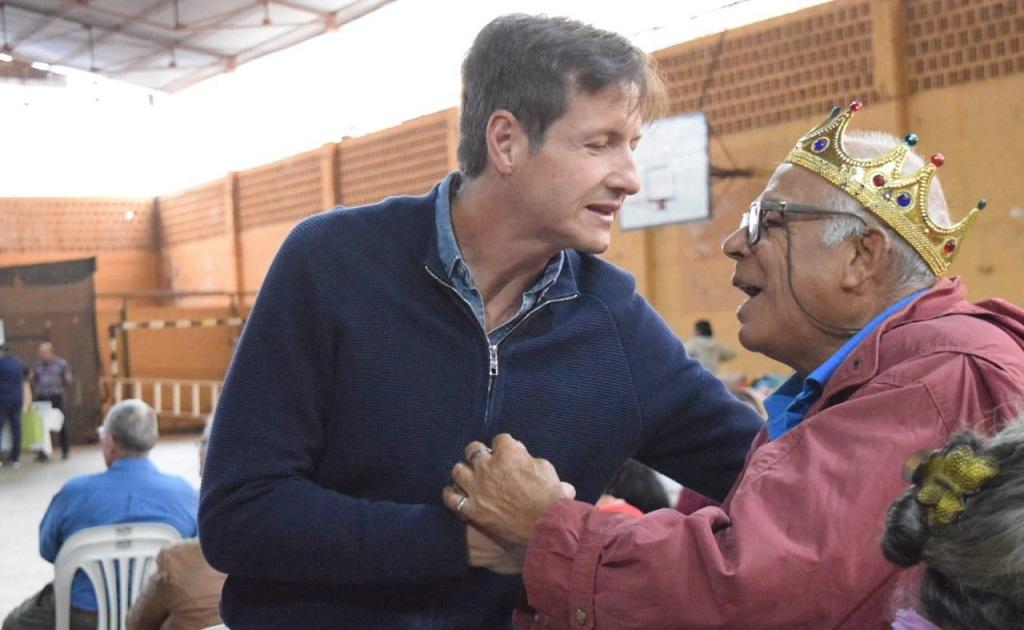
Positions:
(483, 450)
(461, 504)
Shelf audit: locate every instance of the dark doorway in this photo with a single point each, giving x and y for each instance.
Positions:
(56, 302)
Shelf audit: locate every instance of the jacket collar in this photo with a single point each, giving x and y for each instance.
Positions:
(946, 297)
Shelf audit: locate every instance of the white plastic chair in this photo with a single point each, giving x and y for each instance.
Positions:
(117, 559)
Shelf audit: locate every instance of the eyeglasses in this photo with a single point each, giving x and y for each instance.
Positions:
(753, 219)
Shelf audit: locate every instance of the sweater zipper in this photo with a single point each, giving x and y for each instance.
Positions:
(495, 347)
(492, 348)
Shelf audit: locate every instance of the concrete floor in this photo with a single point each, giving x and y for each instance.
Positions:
(25, 493)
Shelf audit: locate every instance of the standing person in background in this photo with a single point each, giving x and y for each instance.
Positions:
(50, 378)
(12, 379)
(705, 348)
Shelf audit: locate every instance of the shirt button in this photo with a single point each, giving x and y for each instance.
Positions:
(581, 616)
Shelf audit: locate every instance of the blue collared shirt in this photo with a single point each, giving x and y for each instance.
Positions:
(130, 491)
(458, 271)
(788, 405)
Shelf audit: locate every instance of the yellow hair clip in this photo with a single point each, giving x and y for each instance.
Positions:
(944, 480)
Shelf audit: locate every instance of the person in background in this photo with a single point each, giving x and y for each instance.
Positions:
(12, 379)
(750, 397)
(963, 519)
(764, 385)
(184, 593)
(705, 348)
(50, 378)
(131, 490)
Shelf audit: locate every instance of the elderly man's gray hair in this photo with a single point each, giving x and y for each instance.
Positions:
(911, 271)
(132, 423)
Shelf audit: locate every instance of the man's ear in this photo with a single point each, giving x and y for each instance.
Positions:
(869, 259)
(504, 137)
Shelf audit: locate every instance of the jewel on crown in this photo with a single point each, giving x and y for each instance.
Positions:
(879, 184)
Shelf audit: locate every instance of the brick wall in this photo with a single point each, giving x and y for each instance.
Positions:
(775, 72)
(120, 233)
(284, 191)
(404, 160)
(956, 42)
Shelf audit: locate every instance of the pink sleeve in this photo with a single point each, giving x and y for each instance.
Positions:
(690, 501)
(585, 566)
(796, 545)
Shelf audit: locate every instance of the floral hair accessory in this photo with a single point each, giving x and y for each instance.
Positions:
(943, 480)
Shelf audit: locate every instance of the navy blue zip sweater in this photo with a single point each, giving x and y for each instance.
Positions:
(359, 379)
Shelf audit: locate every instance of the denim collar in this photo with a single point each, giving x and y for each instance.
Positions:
(448, 246)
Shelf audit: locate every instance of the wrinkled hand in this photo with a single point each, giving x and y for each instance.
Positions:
(484, 553)
(508, 490)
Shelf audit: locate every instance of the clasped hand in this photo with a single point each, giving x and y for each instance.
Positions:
(502, 493)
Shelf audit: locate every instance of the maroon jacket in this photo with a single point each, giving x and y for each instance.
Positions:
(796, 544)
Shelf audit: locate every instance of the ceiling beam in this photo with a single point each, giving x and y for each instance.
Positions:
(180, 44)
(46, 19)
(301, 7)
(180, 37)
(122, 29)
(190, 27)
(331, 20)
(108, 33)
(173, 28)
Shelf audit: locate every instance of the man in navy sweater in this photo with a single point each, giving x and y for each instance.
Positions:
(388, 336)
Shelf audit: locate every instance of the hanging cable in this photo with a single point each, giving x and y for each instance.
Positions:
(92, 50)
(3, 26)
(716, 57)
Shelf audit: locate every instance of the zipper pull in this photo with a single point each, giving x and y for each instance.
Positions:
(494, 359)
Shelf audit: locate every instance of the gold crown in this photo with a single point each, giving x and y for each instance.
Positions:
(880, 186)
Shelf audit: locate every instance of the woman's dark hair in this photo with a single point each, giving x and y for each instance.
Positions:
(974, 577)
(531, 65)
(638, 486)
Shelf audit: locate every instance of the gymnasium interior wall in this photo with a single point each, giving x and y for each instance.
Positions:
(949, 70)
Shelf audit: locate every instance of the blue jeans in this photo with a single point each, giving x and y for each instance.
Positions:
(12, 411)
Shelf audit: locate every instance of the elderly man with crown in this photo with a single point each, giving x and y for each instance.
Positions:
(842, 258)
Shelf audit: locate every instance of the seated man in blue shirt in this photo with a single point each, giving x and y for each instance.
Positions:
(132, 490)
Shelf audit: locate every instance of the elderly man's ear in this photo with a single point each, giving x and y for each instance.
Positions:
(868, 261)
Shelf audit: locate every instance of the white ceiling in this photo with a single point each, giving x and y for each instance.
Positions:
(165, 44)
